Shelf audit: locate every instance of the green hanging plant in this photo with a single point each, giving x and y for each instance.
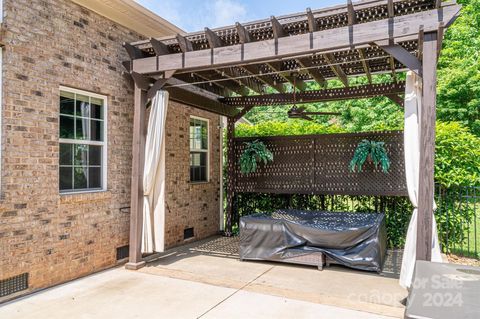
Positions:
(255, 152)
(371, 150)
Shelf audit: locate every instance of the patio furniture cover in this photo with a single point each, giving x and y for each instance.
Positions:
(356, 240)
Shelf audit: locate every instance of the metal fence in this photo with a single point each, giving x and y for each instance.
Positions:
(457, 214)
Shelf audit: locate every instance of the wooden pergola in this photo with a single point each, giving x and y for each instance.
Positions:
(227, 70)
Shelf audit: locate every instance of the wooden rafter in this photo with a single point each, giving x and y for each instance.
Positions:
(314, 72)
(277, 67)
(247, 82)
(406, 58)
(366, 68)
(159, 47)
(184, 44)
(397, 99)
(352, 18)
(255, 71)
(243, 34)
(225, 82)
(336, 68)
(312, 22)
(278, 30)
(325, 95)
(213, 39)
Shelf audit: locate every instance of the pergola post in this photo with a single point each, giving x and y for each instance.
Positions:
(427, 148)
(230, 175)
(136, 207)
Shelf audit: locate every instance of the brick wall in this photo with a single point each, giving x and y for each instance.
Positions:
(56, 238)
(190, 205)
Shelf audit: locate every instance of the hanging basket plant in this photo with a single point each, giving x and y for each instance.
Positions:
(255, 153)
(370, 151)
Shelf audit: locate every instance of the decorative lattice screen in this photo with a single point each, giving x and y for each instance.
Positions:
(318, 164)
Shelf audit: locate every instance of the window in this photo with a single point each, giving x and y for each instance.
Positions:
(82, 141)
(198, 150)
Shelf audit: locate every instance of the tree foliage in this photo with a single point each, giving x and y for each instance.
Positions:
(459, 70)
(457, 155)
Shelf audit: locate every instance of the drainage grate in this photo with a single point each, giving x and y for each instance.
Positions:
(122, 252)
(13, 284)
(188, 233)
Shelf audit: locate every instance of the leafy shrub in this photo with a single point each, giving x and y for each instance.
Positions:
(275, 128)
(457, 156)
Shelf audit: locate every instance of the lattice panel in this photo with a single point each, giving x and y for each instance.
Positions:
(319, 164)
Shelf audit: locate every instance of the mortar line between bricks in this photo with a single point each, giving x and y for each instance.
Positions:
(235, 292)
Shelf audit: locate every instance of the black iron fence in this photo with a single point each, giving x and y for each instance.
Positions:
(457, 215)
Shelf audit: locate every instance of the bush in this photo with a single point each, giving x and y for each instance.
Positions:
(275, 128)
(457, 158)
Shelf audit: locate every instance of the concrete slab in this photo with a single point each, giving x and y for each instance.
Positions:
(215, 261)
(119, 293)
(253, 305)
(207, 280)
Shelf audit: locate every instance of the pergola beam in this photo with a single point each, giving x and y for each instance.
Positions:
(405, 57)
(326, 95)
(247, 82)
(278, 31)
(312, 22)
(314, 72)
(277, 67)
(184, 44)
(243, 34)
(213, 39)
(255, 71)
(363, 57)
(159, 47)
(336, 68)
(302, 44)
(397, 99)
(191, 95)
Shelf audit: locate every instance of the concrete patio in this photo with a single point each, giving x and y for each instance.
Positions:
(207, 280)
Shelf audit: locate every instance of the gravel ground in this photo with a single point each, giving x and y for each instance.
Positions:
(463, 260)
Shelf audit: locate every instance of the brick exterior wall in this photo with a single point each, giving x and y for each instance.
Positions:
(53, 237)
(190, 205)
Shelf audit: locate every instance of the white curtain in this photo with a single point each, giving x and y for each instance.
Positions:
(154, 177)
(413, 106)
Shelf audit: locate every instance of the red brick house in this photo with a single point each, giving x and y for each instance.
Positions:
(66, 143)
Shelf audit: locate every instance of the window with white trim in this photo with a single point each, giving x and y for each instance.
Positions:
(82, 141)
(199, 145)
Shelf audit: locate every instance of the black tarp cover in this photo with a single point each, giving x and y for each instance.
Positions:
(356, 240)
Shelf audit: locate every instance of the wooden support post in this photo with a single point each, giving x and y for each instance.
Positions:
(427, 148)
(230, 176)
(136, 206)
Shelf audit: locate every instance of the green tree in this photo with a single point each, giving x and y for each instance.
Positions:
(459, 69)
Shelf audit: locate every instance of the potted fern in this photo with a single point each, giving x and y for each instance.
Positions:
(370, 151)
(255, 152)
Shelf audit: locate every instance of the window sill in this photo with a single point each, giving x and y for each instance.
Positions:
(83, 192)
(199, 183)
(86, 196)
